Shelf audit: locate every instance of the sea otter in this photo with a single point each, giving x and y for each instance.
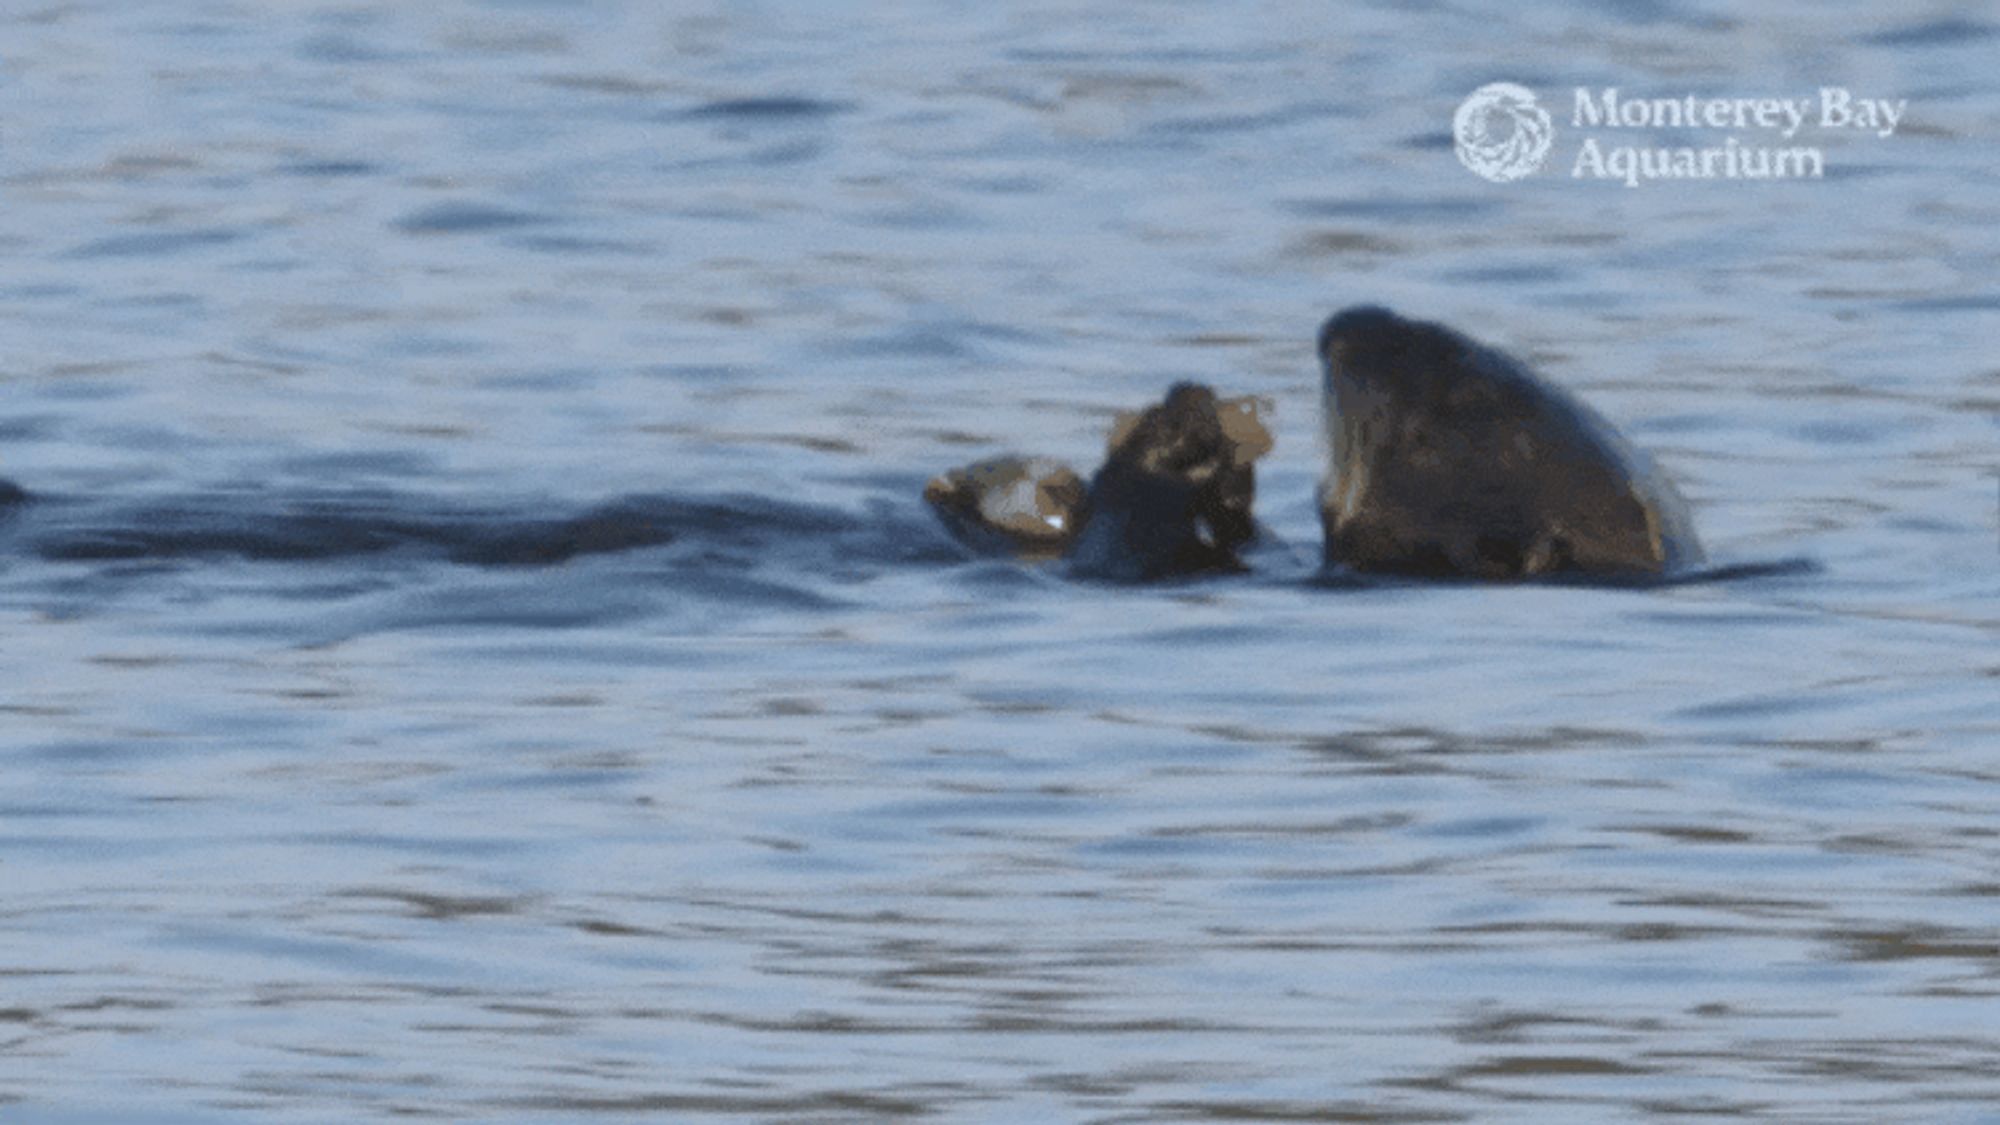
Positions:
(1172, 497)
(1450, 459)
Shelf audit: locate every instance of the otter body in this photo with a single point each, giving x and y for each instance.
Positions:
(1451, 459)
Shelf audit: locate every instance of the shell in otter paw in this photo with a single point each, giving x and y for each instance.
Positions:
(1451, 459)
(1029, 506)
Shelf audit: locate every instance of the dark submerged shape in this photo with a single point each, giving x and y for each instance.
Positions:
(11, 494)
(1451, 459)
(1173, 496)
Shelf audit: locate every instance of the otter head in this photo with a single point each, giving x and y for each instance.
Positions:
(1192, 433)
(1207, 444)
(1370, 349)
(1181, 436)
(1174, 494)
(1362, 336)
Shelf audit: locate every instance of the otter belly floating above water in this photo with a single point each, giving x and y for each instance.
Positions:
(1451, 459)
(1173, 496)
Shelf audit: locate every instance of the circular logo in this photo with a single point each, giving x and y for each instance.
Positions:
(1501, 133)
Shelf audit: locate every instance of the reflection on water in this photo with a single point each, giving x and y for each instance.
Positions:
(476, 650)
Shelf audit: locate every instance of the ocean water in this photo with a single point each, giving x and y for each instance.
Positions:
(476, 650)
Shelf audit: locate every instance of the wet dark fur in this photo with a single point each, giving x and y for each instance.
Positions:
(1173, 496)
(1449, 459)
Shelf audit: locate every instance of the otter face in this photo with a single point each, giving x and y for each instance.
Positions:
(1369, 347)
(1357, 348)
(1362, 331)
(1181, 435)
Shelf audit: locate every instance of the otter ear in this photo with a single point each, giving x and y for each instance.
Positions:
(1243, 424)
(1122, 427)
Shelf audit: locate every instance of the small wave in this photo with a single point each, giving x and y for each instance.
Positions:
(152, 244)
(1794, 567)
(464, 218)
(328, 168)
(1341, 578)
(775, 108)
(1950, 31)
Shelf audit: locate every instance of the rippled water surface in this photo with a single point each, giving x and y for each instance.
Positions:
(476, 649)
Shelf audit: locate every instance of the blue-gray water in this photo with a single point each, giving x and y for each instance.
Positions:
(477, 651)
